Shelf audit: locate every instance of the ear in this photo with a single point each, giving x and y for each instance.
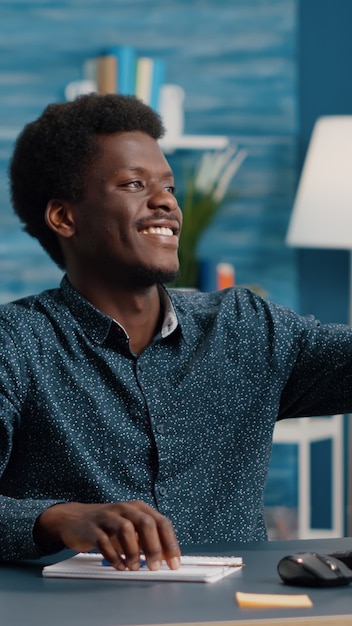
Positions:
(59, 217)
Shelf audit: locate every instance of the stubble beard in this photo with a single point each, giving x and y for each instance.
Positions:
(143, 277)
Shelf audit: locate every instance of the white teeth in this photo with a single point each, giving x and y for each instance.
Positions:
(158, 230)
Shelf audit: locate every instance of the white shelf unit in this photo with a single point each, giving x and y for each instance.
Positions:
(303, 432)
(193, 142)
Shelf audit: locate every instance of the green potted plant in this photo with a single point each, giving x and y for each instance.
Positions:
(204, 190)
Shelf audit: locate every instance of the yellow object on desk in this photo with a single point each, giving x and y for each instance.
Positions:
(270, 601)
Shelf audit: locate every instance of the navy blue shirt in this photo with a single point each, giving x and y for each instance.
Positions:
(186, 426)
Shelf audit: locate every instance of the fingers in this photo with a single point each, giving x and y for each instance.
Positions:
(146, 530)
(112, 551)
(120, 531)
(158, 540)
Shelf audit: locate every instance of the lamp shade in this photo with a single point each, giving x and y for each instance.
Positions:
(322, 211)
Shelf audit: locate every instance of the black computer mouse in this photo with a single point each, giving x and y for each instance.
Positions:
(309, 569)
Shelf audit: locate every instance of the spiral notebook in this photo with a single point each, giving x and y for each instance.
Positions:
(192, 569)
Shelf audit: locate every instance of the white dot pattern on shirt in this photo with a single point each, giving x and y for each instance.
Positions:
(186, 426)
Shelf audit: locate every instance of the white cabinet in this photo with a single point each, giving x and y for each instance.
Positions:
(305, 432)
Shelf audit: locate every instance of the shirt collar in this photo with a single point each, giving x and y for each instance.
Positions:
(170, 322)
(97, 325)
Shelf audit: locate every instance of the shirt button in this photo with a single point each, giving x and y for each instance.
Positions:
(162, 491)
(160, 428)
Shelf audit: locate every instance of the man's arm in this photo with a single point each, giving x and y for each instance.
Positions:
(320, 382)
(31, 526)
(124, 528)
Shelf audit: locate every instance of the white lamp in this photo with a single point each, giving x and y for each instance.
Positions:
(322, 211)
(322, 218)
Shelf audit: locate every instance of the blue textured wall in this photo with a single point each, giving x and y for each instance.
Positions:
(236, 59)
(324, 88)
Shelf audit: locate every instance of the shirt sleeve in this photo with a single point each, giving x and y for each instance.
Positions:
(17, 516)
(320, 377)
(17, 523)
(307, 364)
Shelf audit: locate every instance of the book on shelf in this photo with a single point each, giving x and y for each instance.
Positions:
(106, 73)
(158, 79)
(126, 60)
(150, 76)
(121, 70)
(144, 77)
(90, 69)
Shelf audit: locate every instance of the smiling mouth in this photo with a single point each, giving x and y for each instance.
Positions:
(158, 230)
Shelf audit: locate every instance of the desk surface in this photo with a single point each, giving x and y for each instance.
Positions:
(27, 598)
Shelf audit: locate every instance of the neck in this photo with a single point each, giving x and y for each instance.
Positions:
(138, 310)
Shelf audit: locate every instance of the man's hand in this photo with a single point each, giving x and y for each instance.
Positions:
(124, 528)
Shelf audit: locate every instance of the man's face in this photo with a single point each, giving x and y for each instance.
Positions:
(128, 224)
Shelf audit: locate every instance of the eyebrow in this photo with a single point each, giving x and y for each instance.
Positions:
(142, 170)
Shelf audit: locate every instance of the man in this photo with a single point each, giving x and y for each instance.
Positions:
(134, 417)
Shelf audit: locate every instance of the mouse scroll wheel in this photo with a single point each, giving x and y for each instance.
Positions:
(331, 564)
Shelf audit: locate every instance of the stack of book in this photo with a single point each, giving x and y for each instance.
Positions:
(121, 70)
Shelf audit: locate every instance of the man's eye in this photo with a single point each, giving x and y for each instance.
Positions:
(134, 184)
(171, 189)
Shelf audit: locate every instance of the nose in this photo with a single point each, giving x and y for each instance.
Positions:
(163, 198)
